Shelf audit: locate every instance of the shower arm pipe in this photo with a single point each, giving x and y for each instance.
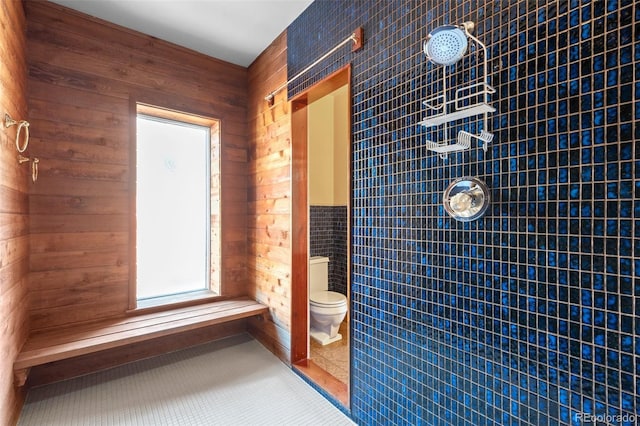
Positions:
(356, 37)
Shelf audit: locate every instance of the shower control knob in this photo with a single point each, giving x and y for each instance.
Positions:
(461, 202)
(466, 199)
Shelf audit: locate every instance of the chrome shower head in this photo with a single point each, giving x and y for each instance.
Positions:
(447, 44)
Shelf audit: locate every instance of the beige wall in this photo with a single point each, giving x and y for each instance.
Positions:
(341, 151)
(328, 128)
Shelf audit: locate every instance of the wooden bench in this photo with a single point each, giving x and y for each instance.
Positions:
(64, 343)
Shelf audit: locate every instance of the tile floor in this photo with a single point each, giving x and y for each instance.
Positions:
(170, 390)
(334, 357)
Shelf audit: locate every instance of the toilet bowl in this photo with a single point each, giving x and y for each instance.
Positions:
(327, 308)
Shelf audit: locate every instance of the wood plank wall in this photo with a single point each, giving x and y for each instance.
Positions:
(14, 221)
(269, 260)
(84, 75)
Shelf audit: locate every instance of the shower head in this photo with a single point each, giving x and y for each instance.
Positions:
(447, 44)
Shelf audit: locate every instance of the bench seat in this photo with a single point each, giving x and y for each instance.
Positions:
(68, 342)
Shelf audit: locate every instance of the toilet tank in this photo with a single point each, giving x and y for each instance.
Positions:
(318, 274)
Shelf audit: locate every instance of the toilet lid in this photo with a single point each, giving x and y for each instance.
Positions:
(327, 298)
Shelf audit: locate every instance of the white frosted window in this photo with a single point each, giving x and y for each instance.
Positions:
(172, 207)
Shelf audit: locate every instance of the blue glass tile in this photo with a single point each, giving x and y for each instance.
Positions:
(626, 55)
(563, 217)
(574, 18)
(612, 77)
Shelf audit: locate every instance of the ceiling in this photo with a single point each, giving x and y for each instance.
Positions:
(236, 31)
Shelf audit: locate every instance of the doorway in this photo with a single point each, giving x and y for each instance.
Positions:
(321, 176)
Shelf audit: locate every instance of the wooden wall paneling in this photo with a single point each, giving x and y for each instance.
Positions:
(63, 185)
(43, 243)
(52, 317)
(14, 208)
(12, 333)
(149, 59)
(269, 196)
(52, 298)
(12, 46)
(87, 205)
(125, 73)
(271, 187)
(266, 66)
(78, 259)
(11, 214)
(69, 150)
(76, 278)
(67, 94)
(78, 223)
(10, 176)
(275, 233)
(271, 161)
(82, 170)
(98, 146)
(273, 252)
(84, 74)
(66, 77)
(78, 115)
(13, 224)
(13, 249)
(272, 176)
(274, 337)
(12, 277)
(149, 48)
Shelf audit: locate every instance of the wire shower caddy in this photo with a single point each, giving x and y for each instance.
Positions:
(459, 57)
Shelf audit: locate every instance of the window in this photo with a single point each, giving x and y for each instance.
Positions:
(174, 204)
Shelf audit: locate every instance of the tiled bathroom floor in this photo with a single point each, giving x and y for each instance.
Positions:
(334, 357)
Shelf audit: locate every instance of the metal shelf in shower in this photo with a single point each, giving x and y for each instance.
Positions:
(459, 111)
(469, 101)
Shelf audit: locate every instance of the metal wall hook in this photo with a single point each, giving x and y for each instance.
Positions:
(34, 165)
(8, 121)
(22, 124)
(34, 169)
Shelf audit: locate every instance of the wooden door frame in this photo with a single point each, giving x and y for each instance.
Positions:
(300, 207)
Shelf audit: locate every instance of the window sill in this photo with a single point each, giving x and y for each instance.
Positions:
(174, 301)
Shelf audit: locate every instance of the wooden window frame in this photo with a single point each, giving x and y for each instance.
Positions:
(215, 289)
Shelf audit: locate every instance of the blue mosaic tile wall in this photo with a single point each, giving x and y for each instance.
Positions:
(328, 237)
(528, 315)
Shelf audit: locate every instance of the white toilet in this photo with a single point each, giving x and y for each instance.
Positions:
(327, 308)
